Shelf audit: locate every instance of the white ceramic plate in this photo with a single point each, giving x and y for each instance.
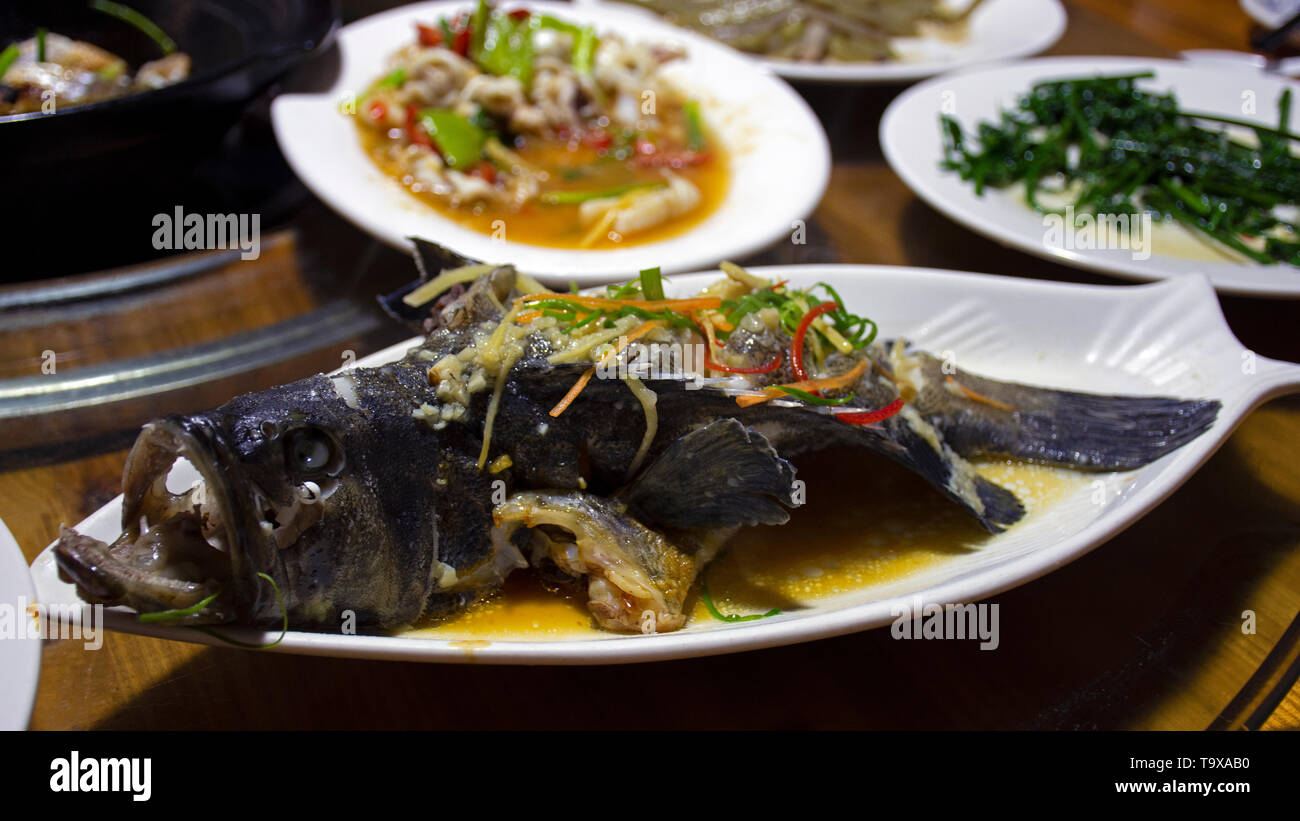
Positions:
(998, 30)
(780, 158)
(1167, 339)
(1271, 13)
(20, 657)
(911, 140)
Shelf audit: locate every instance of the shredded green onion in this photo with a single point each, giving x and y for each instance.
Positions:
(652, 283)
(575, 197)
(584, 51)
(718, 614)
(165, 616)
(132, 17)
(7, 58)
(40, 44)
(284, 628)
(694, 126)
(811, 399)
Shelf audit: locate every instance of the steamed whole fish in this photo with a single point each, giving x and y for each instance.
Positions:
(579, 436)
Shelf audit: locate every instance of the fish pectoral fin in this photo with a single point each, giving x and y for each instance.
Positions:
(717, 476)
(637, 579)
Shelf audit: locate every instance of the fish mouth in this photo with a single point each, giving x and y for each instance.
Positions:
(179, 550)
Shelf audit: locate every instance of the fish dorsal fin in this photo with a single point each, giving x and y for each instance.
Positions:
(432, 259)
(719, 475)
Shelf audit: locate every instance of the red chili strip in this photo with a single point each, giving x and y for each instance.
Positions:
(796, 346)
(414, 130)
(871, 417)
(429, 35)
(462, 41)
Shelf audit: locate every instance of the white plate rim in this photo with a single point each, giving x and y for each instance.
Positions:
(1042, 33)
(1273, 379)
(1268, 17)
(20, 657)
(946, 193)
(723, 234)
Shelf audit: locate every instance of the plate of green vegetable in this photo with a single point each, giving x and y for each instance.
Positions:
(1143, 169)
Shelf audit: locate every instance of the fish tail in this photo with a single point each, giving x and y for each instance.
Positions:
(1084, 431)
(1087, 431)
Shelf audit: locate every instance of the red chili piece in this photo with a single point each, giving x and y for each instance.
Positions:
(871, 417)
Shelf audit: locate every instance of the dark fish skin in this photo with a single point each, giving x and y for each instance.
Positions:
(364, 514)
(383, 524)
(792, 431)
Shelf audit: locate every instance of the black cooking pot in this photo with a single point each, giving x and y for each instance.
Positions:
(104, 158)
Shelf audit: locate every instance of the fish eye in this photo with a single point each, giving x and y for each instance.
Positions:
(309, 450)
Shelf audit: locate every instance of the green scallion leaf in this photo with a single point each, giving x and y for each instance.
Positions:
(718, 614)
(167, 616)
(394, 79)
(7, 58)
(284, 627)
(810, 398)
(652, 283)
(132, 17)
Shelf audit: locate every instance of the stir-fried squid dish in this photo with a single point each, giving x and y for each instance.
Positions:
(537, 130)
(614, 442)
(846, 31)
(49, 71)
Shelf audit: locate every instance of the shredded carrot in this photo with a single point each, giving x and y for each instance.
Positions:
(527, 317)
(808, 385)
(637, 332)
(979, 397)
(720, 322)
(706, 330)
(563, 404)
(605, 303)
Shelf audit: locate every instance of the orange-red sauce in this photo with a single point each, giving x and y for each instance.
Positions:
(571, 167)
(866, 522)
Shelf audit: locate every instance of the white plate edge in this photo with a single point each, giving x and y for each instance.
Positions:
(971, 218)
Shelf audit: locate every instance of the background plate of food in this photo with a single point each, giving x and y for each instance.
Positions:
(579, 143)
(1156, 186)
(870, 540)
(877, 41)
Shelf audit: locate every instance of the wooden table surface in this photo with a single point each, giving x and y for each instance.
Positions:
(1143, 632)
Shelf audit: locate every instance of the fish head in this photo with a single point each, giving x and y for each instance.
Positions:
(304, 508)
